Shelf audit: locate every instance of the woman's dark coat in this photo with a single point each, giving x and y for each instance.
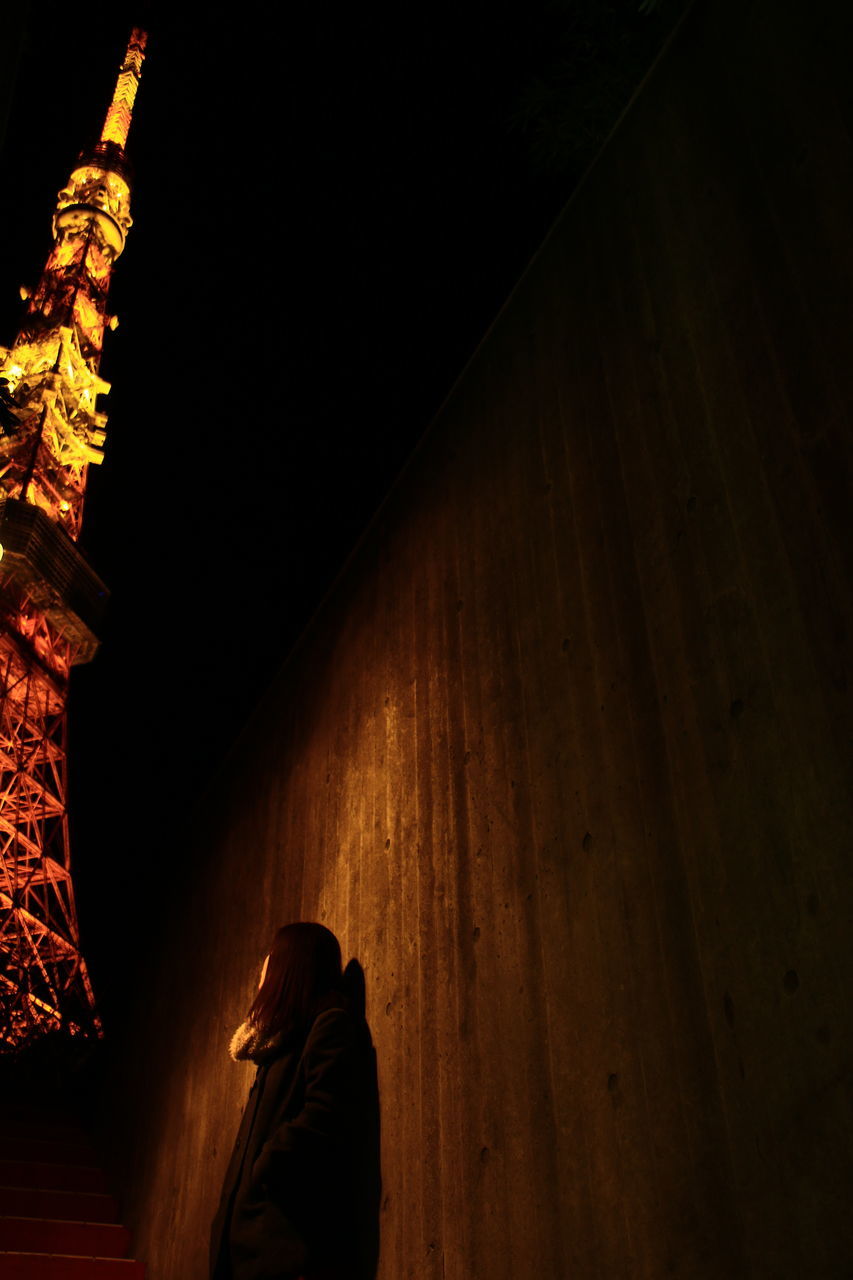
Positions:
(288, 1201)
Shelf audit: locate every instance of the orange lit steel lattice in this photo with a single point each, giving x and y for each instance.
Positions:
(51, 602)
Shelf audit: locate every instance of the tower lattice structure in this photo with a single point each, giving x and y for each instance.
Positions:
(51, 602)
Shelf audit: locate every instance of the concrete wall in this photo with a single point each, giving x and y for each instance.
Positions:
(561, 761)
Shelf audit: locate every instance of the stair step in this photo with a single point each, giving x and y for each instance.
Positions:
(41, 1131)
(75, 1151)
(42, 1124)
(57, 1218)
(85, 1239)
(55, 1177)
(67, 1206)
(44, 1102)
(57, 1266)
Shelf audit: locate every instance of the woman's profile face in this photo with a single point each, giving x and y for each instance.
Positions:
(263, 971)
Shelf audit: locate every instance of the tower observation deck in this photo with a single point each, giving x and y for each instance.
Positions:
(52, 430)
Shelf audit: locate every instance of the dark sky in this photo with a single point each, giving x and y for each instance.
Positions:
(331, 204)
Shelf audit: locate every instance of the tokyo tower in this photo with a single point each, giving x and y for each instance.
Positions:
(51, 602)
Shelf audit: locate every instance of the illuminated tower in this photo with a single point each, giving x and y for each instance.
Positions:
(51, 602)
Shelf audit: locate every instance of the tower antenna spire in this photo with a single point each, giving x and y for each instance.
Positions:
(90, 225)
(117, 122)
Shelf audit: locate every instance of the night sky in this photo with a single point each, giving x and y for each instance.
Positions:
(331, 204)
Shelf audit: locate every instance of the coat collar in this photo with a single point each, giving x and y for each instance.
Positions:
(251, 1042)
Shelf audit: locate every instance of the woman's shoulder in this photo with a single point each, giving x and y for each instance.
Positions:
(333, 1000)
(334, 1008)
(336, 1022)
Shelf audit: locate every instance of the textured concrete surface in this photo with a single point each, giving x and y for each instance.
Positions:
(562, 761)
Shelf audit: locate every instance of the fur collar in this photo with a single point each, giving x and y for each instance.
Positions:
(249, 1041)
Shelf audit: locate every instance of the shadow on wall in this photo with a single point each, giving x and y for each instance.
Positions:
(368, 1178)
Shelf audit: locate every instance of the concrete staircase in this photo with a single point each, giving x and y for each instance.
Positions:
(58, 1220)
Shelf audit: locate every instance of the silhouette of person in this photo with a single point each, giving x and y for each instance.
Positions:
(292, 1203)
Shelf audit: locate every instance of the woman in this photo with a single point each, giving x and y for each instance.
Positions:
(288, 1206)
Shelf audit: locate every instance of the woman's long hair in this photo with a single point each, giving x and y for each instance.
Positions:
(304, 965)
